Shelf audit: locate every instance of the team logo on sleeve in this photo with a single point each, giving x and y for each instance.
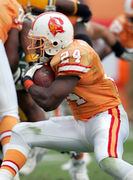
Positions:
(56, 25)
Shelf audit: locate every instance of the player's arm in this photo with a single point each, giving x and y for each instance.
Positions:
(74, 8)
(11, 46)
(27, 24)
(50, 98)
(99, 31)
(12, 43)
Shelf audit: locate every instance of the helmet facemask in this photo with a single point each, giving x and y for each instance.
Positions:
(37, 46)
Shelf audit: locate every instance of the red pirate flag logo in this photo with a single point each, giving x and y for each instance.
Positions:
(56, 25)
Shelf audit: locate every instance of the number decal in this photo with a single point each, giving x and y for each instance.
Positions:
(65, 56)
(76, 55)
(74, 97)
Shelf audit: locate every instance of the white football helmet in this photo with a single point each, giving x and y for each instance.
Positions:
(128, 7)
(51, 32)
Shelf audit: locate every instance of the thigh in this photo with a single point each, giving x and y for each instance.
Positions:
(110, 129)
(58, 133)
(8, 98)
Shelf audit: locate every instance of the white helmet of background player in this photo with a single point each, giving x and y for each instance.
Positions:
(128, 10)
(128, 7)
(51, 32)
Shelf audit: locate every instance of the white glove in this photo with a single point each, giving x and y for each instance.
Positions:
(32, 69)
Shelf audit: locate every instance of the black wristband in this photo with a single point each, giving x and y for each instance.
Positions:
(118, 49)
(83, 11)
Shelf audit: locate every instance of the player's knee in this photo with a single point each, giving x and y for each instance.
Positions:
(19, 135)
(18, 129)
(107, 163)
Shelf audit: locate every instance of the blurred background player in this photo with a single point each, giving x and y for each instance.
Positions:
(122, 28)
(103, 37)
(11, 18)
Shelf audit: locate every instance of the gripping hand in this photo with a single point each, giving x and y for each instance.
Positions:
(29, 73)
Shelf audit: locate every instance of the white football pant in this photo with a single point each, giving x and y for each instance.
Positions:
(8, 97)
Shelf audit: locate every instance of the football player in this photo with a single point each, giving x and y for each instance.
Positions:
(79, 13)
(122, 28)
(11, 18)
(100, 32)
(99, 122)
(27, 110)
(68, 7)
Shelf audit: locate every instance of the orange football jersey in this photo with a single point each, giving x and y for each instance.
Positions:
(123, 30)
(95, 91)
(11, 16)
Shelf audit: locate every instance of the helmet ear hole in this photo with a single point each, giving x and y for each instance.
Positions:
(55, 43)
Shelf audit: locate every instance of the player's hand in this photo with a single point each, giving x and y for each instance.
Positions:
(84, 12)
(122, 52)
(29, 73)
(32, 69)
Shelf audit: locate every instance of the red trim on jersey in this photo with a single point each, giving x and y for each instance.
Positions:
(5, 132)
(73, 68)
(68, 64)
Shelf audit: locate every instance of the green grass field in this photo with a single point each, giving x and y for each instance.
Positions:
(50, 166)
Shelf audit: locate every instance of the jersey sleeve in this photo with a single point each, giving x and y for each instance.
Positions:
(75, 61)
(18, 20)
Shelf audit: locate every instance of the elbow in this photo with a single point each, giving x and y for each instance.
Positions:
(49, 106)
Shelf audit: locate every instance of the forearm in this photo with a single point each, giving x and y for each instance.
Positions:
(74, 8)
(42, 98)
(107, 36)
(66, 7)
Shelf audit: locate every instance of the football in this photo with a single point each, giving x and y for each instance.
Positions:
(44, 76)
